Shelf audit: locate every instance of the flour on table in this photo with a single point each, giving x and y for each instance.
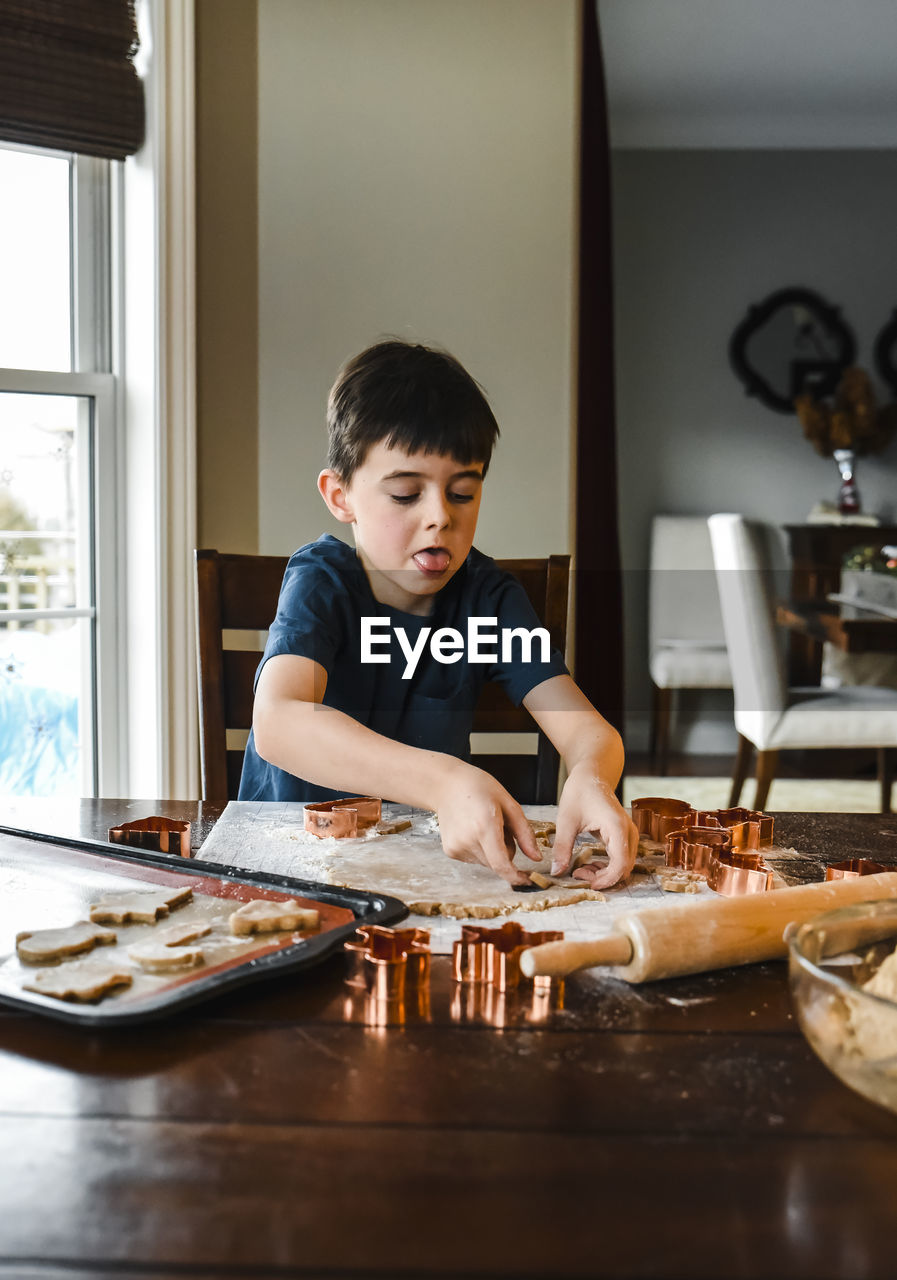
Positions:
(408, 864)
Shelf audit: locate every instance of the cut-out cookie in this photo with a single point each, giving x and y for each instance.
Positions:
(177, 935)
(157, 957)
(679, 881)
(45, 945)
(391, 826)
(542, 826)
(81, 980)
(138, 907)
(262, 915)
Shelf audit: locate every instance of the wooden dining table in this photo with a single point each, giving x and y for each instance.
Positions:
(676, 1129)
(847, 626)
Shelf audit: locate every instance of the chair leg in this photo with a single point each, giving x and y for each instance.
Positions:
(885, 777)
(660, 734)
(766, 771)
(742, 761)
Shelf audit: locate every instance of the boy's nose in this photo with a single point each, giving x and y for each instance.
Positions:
(438, 513)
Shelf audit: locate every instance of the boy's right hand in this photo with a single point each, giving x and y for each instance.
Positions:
(481, 822)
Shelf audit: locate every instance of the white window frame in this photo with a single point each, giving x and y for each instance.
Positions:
(104, 767)
(148, 724)
(157, 342)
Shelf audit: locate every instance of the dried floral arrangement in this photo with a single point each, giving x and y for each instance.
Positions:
(851, 419)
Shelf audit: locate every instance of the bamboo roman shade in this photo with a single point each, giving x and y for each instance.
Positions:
(67, 77)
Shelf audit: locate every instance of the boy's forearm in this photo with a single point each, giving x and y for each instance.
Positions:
(598, 747)
(331, 749)
(580, 734)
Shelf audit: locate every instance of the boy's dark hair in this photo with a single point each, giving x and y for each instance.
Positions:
(412, 397)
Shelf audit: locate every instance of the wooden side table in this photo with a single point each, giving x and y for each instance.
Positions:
(816, 554)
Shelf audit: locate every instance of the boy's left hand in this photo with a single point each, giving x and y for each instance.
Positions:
(589, 804)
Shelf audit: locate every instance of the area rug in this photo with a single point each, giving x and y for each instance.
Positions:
(803, 795)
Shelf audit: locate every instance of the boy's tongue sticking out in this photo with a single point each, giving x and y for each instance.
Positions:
(432, 559)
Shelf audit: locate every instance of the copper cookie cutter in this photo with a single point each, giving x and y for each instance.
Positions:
(723, 846)
(737, 871)
(852, 868)
(493, 955)
(658, 817)
(655, 817)
(385, 962)
(161, 835)
(344, 817)
(694, 848)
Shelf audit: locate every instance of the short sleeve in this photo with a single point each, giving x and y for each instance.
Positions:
(311, 609)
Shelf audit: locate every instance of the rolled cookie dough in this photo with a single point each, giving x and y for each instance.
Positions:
(144, 906)
(56, 944)
(264, 915)
(79, 980)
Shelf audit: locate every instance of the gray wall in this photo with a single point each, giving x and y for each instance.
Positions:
(417, 176)
(698, 237)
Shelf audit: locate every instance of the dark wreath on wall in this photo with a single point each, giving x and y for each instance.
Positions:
(792, 343)
(885, 353)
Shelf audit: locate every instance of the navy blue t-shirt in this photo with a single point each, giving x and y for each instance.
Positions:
(325, 594)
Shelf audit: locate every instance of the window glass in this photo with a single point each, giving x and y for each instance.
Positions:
(35, 261)
(46, 660)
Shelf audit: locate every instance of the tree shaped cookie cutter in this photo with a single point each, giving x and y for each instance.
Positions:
(160, 835)
(342, 818)
(387, 961)
(493, 955)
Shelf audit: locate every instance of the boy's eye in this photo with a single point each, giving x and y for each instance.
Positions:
(403, 498)
(461, 497)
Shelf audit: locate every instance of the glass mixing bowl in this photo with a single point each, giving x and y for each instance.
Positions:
(842, 967)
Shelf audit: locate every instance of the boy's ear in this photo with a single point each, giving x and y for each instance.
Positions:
(335, 493)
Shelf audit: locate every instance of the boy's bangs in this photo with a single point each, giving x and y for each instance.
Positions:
(467, 442)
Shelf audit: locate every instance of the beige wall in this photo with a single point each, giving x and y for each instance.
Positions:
(417, 170)
(227, 273)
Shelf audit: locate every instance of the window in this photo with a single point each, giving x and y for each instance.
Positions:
(60, 671)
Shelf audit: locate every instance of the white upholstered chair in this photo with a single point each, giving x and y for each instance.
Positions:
(769, 716)
(687, 646)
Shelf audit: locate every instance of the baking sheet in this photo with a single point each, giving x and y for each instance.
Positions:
(47, 883)
(270, 836)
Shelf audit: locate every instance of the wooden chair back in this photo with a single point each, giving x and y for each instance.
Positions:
(238, 593)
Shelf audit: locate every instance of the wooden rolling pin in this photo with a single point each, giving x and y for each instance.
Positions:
(666, 942)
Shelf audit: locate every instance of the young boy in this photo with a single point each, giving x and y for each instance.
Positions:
(365, 687)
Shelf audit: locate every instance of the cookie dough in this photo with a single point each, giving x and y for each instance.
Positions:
(45, 945)
(157, 957)
(875, 1029)
(679, 881)
(80, 980)
(141, 906)
(177, 935)
(263, 915)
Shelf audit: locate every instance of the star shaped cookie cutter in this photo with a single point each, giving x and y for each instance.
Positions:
(386, 961)
(493, 955)
(344, 817)
(160, 835)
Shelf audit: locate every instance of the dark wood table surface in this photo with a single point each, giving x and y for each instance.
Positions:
(677, 1129)
(822, 620)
